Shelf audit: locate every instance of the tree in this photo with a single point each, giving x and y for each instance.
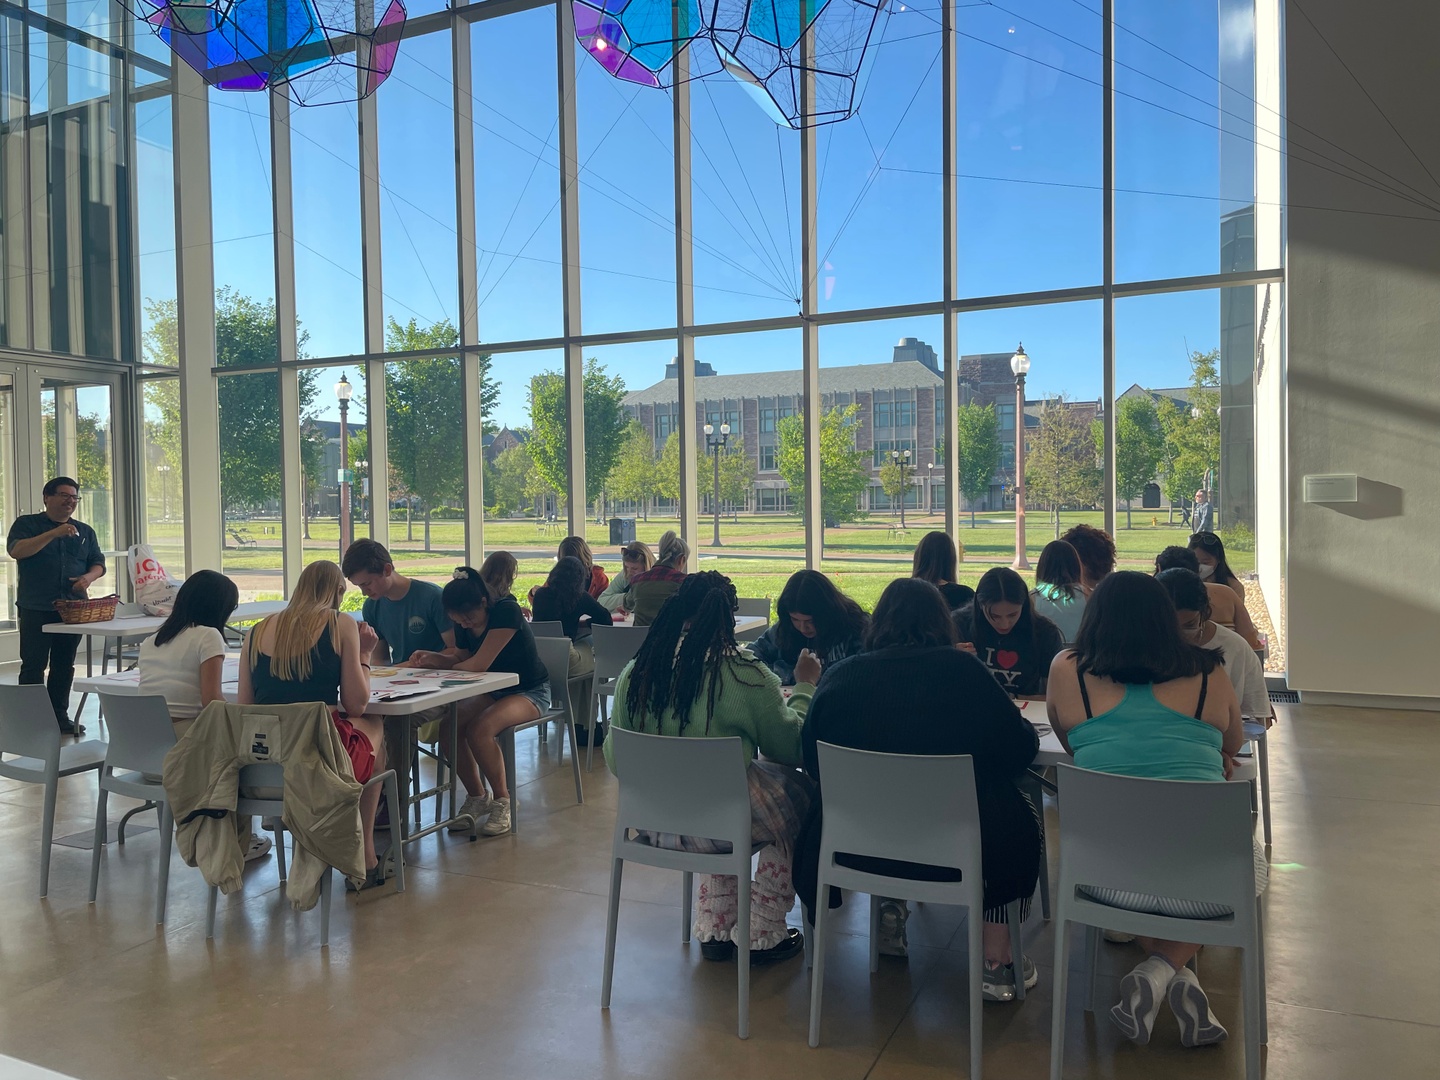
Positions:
(1060, 467)
(895, 480)
(977, 451)
(844, 473)
(1139, 445)
(605, 427)
(425, 415)
(92, 441)
(737, 476)
(635, 475)
(667, 469)
(1191, 435)
(511, 489)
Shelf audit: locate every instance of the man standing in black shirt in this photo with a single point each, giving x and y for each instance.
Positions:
(58, 559)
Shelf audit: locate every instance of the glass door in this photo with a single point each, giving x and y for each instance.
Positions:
(12, 452)
(77, 419)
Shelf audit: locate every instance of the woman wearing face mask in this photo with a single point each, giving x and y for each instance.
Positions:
(1192, 605)
(1002, 629)
(1226, 608)
(810, 614)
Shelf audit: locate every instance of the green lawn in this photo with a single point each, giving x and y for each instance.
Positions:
(759, 552)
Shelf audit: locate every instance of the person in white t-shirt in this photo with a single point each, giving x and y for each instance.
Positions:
(1192, 607)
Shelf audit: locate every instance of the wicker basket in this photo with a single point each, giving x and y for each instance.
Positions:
(101, 609)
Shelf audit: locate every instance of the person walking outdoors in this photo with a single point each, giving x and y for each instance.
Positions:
(58, 558)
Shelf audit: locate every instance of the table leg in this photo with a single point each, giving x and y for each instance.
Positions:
(454, 772)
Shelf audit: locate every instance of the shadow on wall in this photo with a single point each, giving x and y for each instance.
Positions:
(1377, 500)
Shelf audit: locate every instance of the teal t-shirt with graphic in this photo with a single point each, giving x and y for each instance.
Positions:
(416, 621)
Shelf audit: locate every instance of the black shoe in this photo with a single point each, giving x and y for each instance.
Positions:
(793, 945)
(69, 727)
(717, 950)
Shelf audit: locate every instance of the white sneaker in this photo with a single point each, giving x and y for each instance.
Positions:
(499, 821)
(259, 847)
(893, 915)
(1198, 1026)
(473, 809)
(1141, 992)
(1118, 937)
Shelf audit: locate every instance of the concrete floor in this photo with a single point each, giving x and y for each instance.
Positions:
(489, 964)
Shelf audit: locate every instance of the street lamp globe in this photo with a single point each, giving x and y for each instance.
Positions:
(343, 390)
(895, 455)
(709, 429)
(725, 429)
(907, 456)
(1020, 362)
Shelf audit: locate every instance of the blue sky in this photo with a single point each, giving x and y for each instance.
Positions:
(1029, 157)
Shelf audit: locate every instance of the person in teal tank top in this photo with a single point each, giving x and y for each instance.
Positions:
(1133, 697)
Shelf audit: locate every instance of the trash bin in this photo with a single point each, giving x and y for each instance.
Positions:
(622, 530)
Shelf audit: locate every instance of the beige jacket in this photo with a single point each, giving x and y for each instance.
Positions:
(322, 799)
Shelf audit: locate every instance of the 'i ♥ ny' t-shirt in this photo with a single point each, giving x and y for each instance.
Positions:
(1020, 662)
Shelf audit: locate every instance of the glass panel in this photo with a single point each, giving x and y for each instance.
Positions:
(243, 226)
(155, 229)
(78, 436)
(425, 432)
(14, 306)
(9, 495)
(1029, 143)
(250, 474)
(745, 200)
(516, 176)
(880, 188)
(324, 451)
(417, 179)
(627, 202)
(1168, 109)
(885, 378)
(1062, 389)
(164, 474)
(329, 288)
(758, 511)
(522, 500)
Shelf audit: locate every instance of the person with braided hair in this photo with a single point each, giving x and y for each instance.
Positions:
(691, 679)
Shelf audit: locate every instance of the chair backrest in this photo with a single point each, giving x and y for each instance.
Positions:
(555, 655)
(27, 723)
(753, 605)
(927, 813)
(1185, 839)
(547, 628)
(687, 786)
(616, 646)
(141, 732)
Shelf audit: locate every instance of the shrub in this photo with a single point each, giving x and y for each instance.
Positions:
(1239, 537)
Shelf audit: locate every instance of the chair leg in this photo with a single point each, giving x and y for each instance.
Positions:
(99, 843)
(574, 766)
(974, 920)
(817, 960)
(742, 946)
(1017, 948)
(415, 782)
(47, 832)
(1264, 755)
(874, 934)
(687, 886)
(397, 844)
(162, 879)
(507, 746)
(1057, 1002)
(325, 888)
(210, 911)
(279, 834)
(612, 920)
(590, 750)
(1092, 965)
(1261, 990)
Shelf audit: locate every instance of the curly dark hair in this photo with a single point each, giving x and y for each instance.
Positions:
(568, 581)
(690, 640)
(1176, 557)
(1095, 548)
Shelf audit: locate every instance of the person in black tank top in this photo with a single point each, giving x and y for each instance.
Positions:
(311, 652)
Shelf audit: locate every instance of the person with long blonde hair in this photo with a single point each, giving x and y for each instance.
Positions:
(635, 558)
(597, 580)
(651, 588)
(310, 652)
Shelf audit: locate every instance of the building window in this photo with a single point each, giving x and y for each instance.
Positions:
(882, 413)
(767, 421)
(767, 459)
(904, 414)
(939, 410)
(664, 425)
(883, 448)
(1005, 412)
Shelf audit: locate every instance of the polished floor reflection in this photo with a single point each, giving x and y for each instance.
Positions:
(490, 963)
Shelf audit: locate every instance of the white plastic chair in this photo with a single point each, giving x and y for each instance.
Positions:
(28, 730)
(689, 787)
(929, 815)
(615, 646)
(547, 628)
(555, 655)
(141, 734)
(264, 778)
(753, 605)
(1182, 839)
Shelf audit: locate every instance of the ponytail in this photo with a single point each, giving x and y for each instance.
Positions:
(672, 550)
(466, 591)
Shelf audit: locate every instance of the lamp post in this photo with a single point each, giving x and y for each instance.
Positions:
(930, 488)
(1020, 365)
(343, 390)
(364, 466)
(902, 460)
(716, 441)
(164, 471)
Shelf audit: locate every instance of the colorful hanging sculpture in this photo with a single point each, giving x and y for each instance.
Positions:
(756, 42)
(319, 51)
